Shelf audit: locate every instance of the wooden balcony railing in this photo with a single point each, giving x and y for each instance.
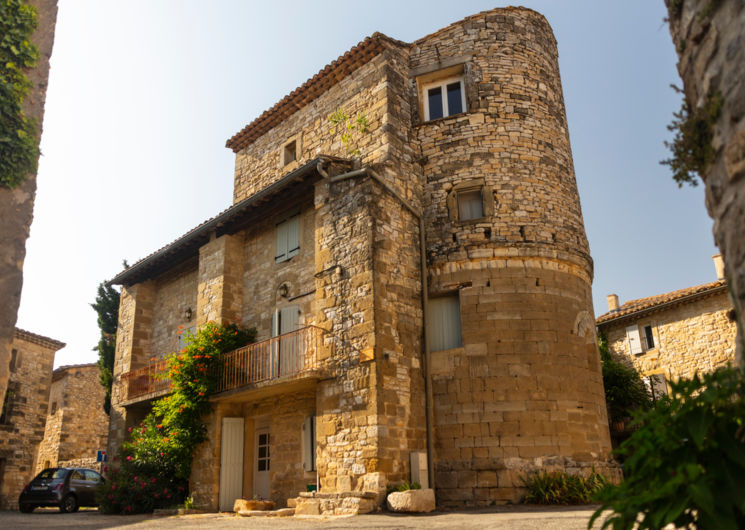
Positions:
(282, 356)
(146, 380)
(285, 355)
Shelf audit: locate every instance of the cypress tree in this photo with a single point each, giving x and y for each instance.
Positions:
(107, 307)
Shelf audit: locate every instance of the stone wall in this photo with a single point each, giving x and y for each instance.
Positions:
(175, 292)
(25, 412)
(17, 205)
(77, 426)
(709, 39)
(690, 338)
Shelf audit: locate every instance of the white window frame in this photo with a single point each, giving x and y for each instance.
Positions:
(288, 239)
(443, 83)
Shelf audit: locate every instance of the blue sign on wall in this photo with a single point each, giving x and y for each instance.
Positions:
(101, 456)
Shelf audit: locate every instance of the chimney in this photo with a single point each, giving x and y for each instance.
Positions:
(612, 303)
(719, 266)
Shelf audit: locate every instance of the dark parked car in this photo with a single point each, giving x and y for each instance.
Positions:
(67, 488)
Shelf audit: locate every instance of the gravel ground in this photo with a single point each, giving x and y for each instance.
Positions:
(508, 517)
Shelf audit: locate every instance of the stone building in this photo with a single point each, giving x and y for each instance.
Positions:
(77, 426)
(24, 411)
(673, 335)
(421, 293)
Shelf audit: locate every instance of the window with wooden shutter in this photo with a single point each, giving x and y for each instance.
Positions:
(288, 239)
(635, 343)
(470, 205)
(444, 323)
(309, 443)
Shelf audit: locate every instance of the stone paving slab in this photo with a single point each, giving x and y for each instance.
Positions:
(504, 517)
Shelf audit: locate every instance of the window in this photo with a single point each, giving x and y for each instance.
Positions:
(14, 360)
(649, 337)
(309, 443)
(184, 334)
(657, 385)
(635, 343)
(470, 205)
(7, 407)
(444, 98)
(288, 244)
(444, 323)
(289, 153)
(470, 200)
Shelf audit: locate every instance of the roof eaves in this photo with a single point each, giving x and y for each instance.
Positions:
(628, 314)
(39, 339)
(332, 74)
(202, 231)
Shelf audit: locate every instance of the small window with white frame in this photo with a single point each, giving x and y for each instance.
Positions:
(649, 343)
(444, 97)
(443, 329)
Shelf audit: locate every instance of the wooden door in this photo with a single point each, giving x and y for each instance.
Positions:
(231, 463)
(262, 464)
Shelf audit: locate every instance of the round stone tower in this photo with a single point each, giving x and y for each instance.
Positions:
(517, 385)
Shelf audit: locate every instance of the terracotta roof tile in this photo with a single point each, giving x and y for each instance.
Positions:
(651, 302)
(332, 74)
(39, 339)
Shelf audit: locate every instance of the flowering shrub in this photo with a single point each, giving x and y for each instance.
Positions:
(156, 460)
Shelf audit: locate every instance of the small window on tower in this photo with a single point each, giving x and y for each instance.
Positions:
(444, 98)
(470, 205)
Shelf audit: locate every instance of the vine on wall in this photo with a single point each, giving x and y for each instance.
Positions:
(156, 460)
(19, 145)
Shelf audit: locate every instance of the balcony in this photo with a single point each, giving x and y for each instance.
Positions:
(288, 358)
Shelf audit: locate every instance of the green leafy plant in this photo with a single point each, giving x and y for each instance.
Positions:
(404, 486)
(691, 148)
(685, 465)
(19, 144)
(189, 503)
(156, 459)
(625, 391)
(558, 487)
(107, 308)
(349, 129)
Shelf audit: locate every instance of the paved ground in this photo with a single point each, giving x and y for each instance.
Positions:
(507, 517)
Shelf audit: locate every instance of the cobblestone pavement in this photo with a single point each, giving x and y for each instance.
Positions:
(507, 517)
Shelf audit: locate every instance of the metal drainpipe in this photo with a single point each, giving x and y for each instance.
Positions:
(429, 421)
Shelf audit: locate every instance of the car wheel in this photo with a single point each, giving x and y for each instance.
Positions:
(26, 508)
(69, 504)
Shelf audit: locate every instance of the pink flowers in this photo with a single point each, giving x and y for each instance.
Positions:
(153, 481)
(129, 459)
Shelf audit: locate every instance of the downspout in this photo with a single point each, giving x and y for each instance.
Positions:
(425, 303)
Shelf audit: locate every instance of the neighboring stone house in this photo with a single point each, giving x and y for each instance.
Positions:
(673, 335)
(24, 411)
(77, 426)
(459, 216)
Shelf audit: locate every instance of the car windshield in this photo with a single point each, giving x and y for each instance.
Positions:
(52, 473)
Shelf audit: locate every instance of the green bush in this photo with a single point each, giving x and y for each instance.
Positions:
(686, 463)
(625, 392)
(156, 460)
(558, 487)
(404, 486)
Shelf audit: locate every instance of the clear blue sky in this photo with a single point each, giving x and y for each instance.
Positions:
(142, 96)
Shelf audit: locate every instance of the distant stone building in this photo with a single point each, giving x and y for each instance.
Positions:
(673, 335)
(24, 411)
(77, 426)
(422, 297)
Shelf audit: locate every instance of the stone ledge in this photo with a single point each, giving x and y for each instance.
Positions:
(411, 501)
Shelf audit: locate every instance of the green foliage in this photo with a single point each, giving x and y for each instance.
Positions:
(558, 487)
(686, 464)
(404, 486)
(348, 130)
(157, 457)
(625, 392)
(691, 148)
(107, 307)
(19, 145)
